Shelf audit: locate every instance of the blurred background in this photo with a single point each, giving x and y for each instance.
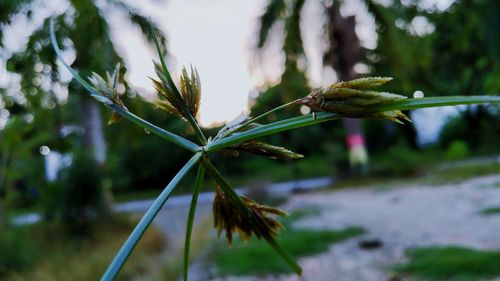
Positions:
(398, 201)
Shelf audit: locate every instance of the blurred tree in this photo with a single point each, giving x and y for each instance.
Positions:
(37, 104)
(466, 57)
(342, 54)
(443, 52)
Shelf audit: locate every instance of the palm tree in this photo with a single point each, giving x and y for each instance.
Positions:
(82, 29)
(343, 53)
(87, 28)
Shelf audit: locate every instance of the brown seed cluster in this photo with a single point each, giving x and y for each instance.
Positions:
(174, 101)
(263, 149)
(247, 219)
(355, 99)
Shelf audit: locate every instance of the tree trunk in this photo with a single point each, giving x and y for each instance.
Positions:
(344, 52)
(92, 123)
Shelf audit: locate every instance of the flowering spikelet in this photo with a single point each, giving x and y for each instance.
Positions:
(109, 89)
(355, 99)
(190, 93)
(264, 149)
(191, 90)
(251, 220)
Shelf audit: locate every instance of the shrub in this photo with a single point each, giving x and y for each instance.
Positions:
(457, 150)
(16, 251)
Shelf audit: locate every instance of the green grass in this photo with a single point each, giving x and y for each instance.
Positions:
(462, 173)
(491, 211)
(269, 170)
(57, 256)
(451, 263)
(255, 257)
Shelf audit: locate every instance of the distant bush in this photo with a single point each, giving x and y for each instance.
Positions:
(16, 251)
(457, 150)
(398, 160)
(77, 198)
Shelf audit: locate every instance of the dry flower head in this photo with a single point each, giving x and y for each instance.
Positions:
(254, 220)
(355, 99)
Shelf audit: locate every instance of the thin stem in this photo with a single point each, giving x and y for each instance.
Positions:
(146, 220)
(219, 179)
(408, 104)
(192, 210)
(176, 139)
(244, 125)
(269, 112)
(272, 128)
(192, 121)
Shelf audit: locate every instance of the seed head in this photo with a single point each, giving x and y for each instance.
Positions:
(109, 90)
(191, 90)
(252, 220)
(190, 93)
(355, 99)
(264, 149)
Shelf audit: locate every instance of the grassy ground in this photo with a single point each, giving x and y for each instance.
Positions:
(256, 257)
(451, 263)
(60, 257)
(456, 174)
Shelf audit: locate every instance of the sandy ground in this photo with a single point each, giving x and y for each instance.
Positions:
(401, 218)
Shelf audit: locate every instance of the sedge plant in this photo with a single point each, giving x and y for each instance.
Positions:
(233, 213)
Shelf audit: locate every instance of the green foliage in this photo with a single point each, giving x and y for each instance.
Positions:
(77, 198)
(398, 159)
(451, 263)
(54, 255)
(491, 211)
(481, 136)
(457, 150)
(16, 250)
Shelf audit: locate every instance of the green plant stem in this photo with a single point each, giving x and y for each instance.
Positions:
(192, 121)
(244, 125)
(146, 220)
(219, 179)
(200, 178)
(272, 128)
(408, 104)
(176, 139)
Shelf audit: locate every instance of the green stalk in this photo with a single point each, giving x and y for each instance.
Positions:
(244, 125)
(408, 104)
(272, 128)
(192, 121)
(192, 210)
(219, 179)
(178, 140)
(146, 220)
(311, 119)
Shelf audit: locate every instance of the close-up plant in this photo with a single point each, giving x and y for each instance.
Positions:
(234, 213)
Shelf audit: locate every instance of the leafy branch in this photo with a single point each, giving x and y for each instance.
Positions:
(234, 213)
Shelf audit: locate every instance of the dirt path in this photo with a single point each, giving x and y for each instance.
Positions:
(401, 218)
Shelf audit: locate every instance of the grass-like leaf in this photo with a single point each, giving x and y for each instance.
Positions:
(178, 140)
(200, 178)
(146, 220)
(311, 119)
(273, 128)
(408, 104)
